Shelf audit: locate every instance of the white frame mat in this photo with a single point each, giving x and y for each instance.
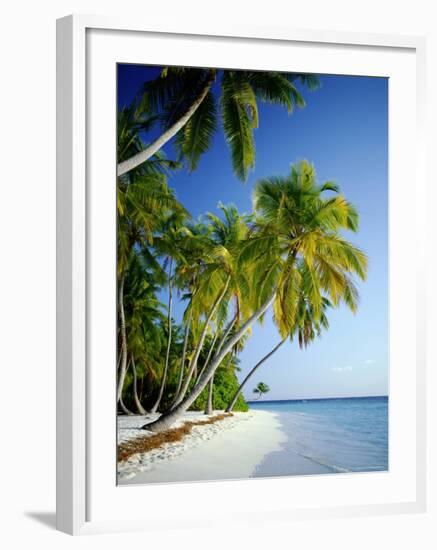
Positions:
(88, 500)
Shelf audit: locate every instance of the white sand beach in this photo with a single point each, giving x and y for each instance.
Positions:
(231, 448)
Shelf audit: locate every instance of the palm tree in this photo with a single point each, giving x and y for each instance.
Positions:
(142, 311)
(169, 243)
(143, 197)
(261, 389)
(219, 280)
(144, 202)
(130, 126)
(188, 107)
(295, 245)
(195, 247)
(169, 334)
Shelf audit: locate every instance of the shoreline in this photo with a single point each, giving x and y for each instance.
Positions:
(231, 448)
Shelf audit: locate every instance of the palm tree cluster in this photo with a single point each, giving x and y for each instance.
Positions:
(229, 269)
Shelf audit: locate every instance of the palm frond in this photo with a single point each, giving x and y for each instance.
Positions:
(196, 136)
(237, 126)
(276, 88)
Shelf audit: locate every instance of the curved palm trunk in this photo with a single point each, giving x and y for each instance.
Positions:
(208, 357)
(199, 346)
(184, 354)
(167, 354)
(149, 151)
(219, 347)
(139, 407)
(167, 419)
(255, 368)
(209, 409)
(209, 406)
(124, 408)
(123, 364)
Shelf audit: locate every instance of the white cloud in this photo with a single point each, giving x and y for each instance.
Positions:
(342, 369)
(369, 362)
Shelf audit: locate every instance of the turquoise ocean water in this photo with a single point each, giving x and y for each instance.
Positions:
(328, 436)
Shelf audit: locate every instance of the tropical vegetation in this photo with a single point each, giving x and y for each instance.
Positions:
(288, 257)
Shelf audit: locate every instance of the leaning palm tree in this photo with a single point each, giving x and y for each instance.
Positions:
(188, 104)
(295, 244)
(131, 125)
(261, 389)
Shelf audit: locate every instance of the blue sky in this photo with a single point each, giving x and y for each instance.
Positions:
(343, 132)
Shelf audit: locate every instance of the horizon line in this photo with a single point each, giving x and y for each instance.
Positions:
(314, 398)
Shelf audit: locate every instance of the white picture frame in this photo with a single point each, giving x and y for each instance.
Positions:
(77, 484)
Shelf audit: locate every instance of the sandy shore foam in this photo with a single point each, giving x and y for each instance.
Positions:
(229, 449)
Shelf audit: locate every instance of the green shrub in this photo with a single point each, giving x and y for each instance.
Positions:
(225, 386)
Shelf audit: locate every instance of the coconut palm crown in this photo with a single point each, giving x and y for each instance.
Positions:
(298, 248)
(261, 389)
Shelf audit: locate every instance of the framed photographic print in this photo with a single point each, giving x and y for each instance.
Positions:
(239, 309)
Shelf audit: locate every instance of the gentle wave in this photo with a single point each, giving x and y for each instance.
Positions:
(333, 467)
(335, 435)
